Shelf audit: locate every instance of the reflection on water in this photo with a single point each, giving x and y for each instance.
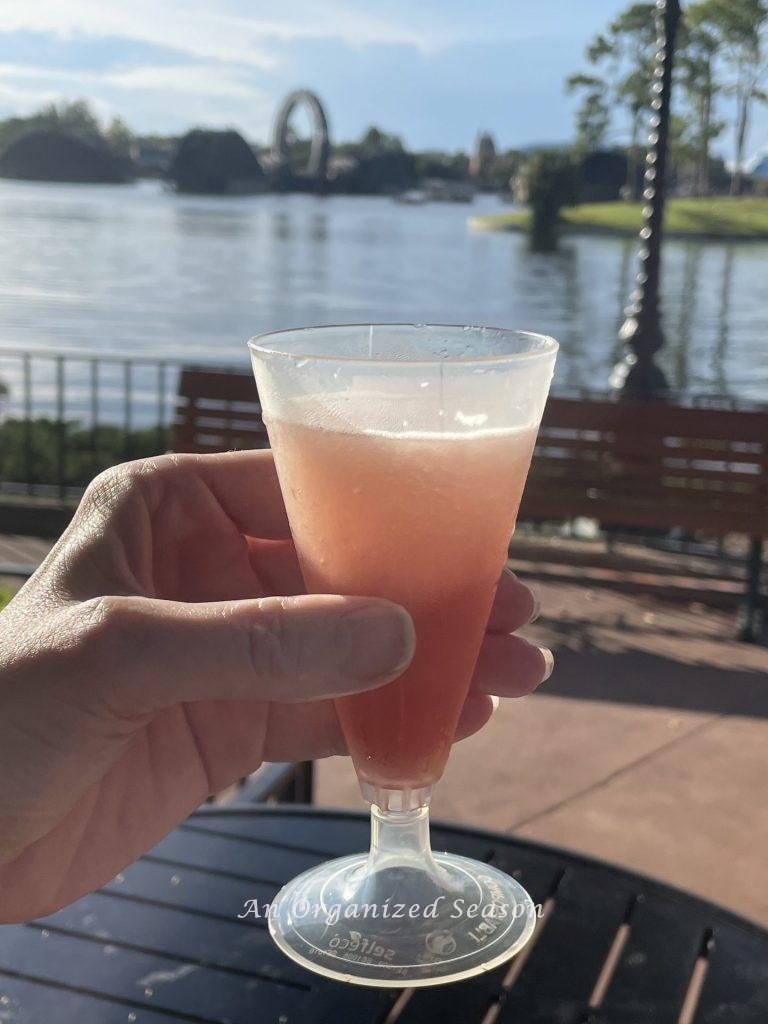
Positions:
(216, 223)
(691, 264)
(723, 321)
(143, 271)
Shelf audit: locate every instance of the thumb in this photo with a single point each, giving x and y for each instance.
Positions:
(147, 654)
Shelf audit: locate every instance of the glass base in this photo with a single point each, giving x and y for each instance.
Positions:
(402, 922)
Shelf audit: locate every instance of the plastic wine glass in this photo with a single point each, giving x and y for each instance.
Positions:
(402, 452)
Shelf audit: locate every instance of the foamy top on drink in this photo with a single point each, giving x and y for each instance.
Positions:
(387, 410)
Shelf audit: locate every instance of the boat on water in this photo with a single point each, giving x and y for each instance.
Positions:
(438, 190)
(413, 197)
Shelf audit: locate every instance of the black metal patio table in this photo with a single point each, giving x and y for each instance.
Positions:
(163, 942)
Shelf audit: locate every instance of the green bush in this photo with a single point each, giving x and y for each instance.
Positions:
(29, 452)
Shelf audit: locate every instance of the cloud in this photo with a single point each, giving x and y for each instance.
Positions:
(202, 79)
(212, 94)
(25, 100)
(226, 31)
(195, 32)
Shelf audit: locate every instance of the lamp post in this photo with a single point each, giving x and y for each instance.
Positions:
(638, 375)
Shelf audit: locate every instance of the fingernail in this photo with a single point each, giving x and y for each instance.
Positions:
(549, 662)
(376, 641)
(496, 701)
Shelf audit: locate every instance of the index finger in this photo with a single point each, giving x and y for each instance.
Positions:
(246, 486)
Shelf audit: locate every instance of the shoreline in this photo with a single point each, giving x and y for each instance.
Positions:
(712, 220)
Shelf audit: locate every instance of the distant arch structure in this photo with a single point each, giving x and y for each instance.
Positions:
(317, 165)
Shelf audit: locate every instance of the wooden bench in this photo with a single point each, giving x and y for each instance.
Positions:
(657, 465)
(653, 465)
(217, 410)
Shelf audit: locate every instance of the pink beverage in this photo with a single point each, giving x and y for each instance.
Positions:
(421, 520)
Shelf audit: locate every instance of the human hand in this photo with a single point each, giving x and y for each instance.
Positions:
(163, 650)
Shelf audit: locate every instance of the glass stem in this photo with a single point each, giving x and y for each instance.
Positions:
(400, 838)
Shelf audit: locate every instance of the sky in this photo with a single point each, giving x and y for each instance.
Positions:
(434, 71)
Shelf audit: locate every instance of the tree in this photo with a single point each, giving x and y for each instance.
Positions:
(696, 62)
(381, 163)
(739, 28)
(683, 158)
(75, 118)
(593, 116)
(119, 136)
(627, 50)
(376, 142)
(433, 163)
(550, 181)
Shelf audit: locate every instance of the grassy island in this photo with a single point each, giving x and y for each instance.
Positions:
(722, 217)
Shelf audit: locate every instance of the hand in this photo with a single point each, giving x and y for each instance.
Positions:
(148, 663)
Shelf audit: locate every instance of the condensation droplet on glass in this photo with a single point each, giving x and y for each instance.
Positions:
(300, 362)
(119, 879)
(406, 423)
(175, 880)
(45, 933)
(149, 992)
(132, 1016)
(424, 384)
(4, 1000)
(282, 1019)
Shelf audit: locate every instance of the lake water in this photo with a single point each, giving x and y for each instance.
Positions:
(137, 270)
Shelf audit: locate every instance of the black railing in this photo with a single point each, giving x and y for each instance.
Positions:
(66, 415)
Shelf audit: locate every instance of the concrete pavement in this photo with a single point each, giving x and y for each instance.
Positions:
(647, 747)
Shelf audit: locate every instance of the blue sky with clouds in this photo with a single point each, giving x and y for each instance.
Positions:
(435, 71)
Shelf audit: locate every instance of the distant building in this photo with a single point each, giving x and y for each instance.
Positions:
(483, 158)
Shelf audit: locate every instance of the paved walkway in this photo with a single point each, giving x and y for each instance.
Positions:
(649, 744)
(647, 747)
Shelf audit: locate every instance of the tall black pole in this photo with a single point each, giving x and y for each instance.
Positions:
(638, 375)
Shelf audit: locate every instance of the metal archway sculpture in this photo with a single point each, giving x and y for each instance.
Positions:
(317, 166)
